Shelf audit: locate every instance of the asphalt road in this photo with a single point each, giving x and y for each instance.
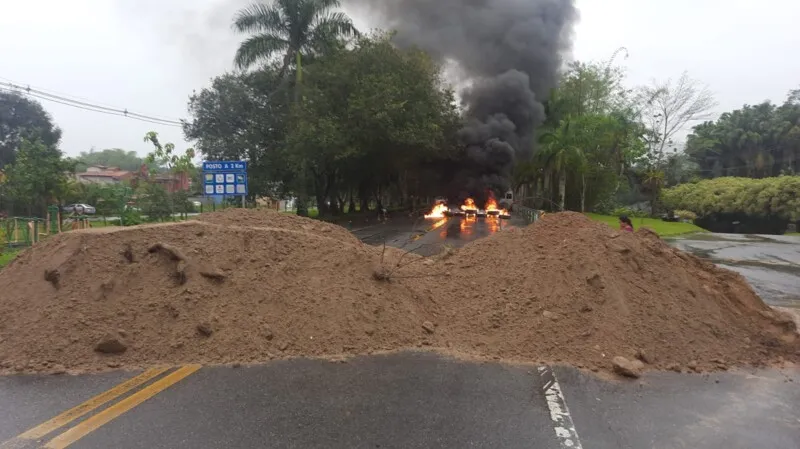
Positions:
(415, 400)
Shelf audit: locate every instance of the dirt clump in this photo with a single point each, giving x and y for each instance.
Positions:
(627, 368)
(242, 286)
(573, 291)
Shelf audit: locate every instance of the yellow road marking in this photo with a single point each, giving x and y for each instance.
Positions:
(81, 430)
(76, 412)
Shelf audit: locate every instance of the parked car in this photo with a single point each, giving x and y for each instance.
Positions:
(79, 208)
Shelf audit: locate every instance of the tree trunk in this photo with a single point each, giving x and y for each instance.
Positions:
(583, 192)
(562, 188)
(653, 201)
(538, 192)
(299, 81)
(302, 204)
(546, 197)
(351, 207)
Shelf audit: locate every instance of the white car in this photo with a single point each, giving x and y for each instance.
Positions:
(80, 209)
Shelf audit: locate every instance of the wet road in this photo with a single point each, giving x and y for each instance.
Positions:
(427, 237)
(770, 263)
(405, 400)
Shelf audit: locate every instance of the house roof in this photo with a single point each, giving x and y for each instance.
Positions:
(116, 174)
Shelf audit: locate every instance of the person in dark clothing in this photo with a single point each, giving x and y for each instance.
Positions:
(625, 223)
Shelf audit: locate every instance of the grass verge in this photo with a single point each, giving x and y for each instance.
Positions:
(660, 227)
(7, 256)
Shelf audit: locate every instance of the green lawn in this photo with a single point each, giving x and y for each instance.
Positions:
(661, 227)
(7, 257)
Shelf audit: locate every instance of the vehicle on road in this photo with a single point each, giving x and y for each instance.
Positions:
(507, 202)
(79, 208)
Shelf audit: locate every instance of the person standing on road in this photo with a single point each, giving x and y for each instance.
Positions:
(625, 224)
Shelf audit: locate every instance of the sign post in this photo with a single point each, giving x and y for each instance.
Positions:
(225, 178)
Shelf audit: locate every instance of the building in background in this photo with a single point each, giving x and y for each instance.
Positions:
(101, 174)
(171, 182)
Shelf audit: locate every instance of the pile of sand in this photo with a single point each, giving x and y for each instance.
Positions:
(575, 291)
(249, 286)
(241, 295)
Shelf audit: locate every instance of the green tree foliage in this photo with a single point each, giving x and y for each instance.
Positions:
(370, 117)
(155, 202)
(290, 29)
(755, 141)
(23, 118)
(37, 178)
(767, 197)
(113, 157)
(373, 125)
(108, 199)
(240, 117)
(158, 202)
(591, 136)
(165, 156)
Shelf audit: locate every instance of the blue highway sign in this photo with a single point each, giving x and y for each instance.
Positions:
(225, 178)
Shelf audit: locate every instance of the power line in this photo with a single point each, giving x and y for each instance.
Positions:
(89, 108)
(52, 92)
(85, 105)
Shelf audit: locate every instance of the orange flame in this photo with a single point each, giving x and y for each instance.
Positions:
(438, 211)
(469, 204)
(491, 204)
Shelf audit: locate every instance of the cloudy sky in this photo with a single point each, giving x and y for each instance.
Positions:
(148, 56)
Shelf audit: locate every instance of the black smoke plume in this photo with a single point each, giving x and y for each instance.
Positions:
(509, 51)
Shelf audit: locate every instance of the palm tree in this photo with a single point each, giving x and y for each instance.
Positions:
(289, 28)
(559, 155)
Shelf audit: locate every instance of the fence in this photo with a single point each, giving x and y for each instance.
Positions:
(529, 214)
(23, 231)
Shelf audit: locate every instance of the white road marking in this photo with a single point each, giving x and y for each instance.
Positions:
(559, 413)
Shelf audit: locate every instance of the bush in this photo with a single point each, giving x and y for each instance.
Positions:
(629, 212)
(686, 215)
(131, 217)
(759, 198)
(606, 207)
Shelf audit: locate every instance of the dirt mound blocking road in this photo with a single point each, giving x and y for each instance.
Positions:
(262, 218)
(249, 286)
(200, 292)
(575, 291)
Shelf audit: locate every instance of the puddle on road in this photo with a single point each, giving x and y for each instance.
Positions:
(771, 264)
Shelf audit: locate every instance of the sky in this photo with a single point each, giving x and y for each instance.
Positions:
(148, 56)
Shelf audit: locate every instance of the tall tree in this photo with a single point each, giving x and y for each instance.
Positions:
(590, 137)
(372, 116)
(37, 178)
(666, 109)
(23, 118)
(289, 28)
(755, 141)
(560, 153)
(240, 118)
